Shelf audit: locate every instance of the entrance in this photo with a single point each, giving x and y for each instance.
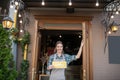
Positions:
(71, 40)
(70, 30)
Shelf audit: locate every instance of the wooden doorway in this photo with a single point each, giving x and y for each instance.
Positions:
(70, 23)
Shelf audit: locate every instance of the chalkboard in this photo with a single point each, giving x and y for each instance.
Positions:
(114, 49)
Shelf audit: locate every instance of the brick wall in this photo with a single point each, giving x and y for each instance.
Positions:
(102, 70)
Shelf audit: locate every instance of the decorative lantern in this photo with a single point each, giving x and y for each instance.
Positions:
(114, 28)
(7, 22)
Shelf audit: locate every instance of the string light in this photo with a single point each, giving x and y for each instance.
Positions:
(12, 3)
(97, 3)
(117, 12)
(70, 3)
(109, 32)
(16, 3)
(15, 10)
(20, 21)
(19, 15)
(112, 16)
(21, 30)
(43, 3)
(110, 11)
(60, 36)
(79, 36)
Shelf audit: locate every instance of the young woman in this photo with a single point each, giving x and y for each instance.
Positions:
(59, 73)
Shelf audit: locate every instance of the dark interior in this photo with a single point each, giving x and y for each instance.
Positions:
(71, 40)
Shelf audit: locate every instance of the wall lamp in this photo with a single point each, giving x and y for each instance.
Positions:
(114, 28)
(110, 19)
(7, 22)
(111, 13)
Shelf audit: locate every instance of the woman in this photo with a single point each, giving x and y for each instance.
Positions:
(59, 73)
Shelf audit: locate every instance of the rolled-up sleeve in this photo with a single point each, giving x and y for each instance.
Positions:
(50, 60)
(70, 58)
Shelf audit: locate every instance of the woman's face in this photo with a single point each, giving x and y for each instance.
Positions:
(59, 48)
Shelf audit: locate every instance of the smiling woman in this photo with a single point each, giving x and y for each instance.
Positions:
(62, 59)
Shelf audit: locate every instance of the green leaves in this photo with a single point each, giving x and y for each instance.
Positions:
(24, 70)
(7, 66)
(14, 31)
(25, 40)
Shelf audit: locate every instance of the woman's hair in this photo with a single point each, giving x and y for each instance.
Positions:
(58, 42)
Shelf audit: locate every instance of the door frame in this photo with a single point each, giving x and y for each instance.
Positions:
(86, 29)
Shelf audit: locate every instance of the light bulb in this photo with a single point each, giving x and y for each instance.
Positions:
(112, 16)
(109, 32)
(15, 11)
(20, 21)
(60, 36)
(97, 4)
(79, 36)
(70, 3)
(117, 12)
(43, 3)
(16, 3)
(21, 30)
(11, 6)
(16, 8)
(19, 15)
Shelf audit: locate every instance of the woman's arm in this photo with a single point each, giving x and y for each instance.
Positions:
(80, 50)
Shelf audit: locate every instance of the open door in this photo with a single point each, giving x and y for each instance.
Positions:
(67, 23)
(87, 56)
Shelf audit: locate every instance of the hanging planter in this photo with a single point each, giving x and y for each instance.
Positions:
(25, 40)
(14, 31)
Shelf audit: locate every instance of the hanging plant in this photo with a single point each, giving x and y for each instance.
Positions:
(24, 70)
(14, 31)
(25, 40)
(15, 39)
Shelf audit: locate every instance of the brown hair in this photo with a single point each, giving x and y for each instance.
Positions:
(58, 42)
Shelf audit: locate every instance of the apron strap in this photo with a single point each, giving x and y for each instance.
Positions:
(55, 56)
(63, 56)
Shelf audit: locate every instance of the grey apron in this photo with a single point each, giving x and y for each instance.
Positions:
(58, 74)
